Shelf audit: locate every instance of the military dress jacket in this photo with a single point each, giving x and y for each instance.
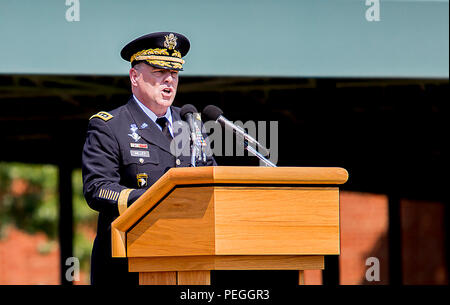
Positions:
(125, 153)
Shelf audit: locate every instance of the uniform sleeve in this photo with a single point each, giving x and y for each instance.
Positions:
(100, 169)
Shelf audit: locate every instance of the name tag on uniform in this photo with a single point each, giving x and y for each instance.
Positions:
(140, 153)
(138, 145)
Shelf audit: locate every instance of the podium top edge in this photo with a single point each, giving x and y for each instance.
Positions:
(258, 175)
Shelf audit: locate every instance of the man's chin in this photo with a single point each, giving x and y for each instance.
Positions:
(165, 103)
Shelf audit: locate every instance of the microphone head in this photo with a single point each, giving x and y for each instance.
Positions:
(188, 108)
(212, 112)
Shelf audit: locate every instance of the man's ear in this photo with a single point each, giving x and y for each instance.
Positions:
(134, 74)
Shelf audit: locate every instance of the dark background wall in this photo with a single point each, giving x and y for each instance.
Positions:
(388, 133)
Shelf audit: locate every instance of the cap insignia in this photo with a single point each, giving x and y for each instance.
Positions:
(170, 42)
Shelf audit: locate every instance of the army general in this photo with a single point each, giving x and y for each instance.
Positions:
(128, 149)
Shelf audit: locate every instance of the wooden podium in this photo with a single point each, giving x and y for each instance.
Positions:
(193, 220)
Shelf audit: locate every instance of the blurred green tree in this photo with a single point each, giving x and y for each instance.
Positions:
(29, 201)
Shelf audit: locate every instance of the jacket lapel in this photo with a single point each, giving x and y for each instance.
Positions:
(151, 132)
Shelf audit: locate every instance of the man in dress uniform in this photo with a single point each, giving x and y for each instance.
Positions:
(128, 149)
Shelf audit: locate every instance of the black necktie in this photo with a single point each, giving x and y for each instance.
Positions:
(164, 123)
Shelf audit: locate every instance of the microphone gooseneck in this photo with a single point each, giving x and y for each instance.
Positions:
(214, 113)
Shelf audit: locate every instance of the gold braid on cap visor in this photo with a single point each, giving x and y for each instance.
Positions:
(160, 57)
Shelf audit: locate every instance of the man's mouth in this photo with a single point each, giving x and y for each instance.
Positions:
(167, 93)
(167, 90)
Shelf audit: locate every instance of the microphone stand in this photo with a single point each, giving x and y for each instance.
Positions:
(193, 154)
(197, 151)
(257, 154)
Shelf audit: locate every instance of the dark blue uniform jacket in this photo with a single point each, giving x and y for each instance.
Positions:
(120, 146)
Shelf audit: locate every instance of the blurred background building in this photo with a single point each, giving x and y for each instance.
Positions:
(370, 96)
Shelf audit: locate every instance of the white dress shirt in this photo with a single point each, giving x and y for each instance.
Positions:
(154, 117)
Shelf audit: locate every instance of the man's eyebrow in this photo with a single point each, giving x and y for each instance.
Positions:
(170, 71)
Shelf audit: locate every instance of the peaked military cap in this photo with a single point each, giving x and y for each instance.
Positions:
(161, 50)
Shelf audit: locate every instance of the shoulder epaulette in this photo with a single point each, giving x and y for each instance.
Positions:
(105, 116)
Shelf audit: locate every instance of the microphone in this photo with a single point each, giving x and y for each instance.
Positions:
(214, 113)
(187, 113)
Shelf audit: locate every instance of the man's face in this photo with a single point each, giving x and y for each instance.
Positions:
(154, 87)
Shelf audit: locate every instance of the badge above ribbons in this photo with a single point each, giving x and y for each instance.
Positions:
(142, 180)
(133, 133)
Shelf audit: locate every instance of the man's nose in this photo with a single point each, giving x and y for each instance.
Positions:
(168, 78)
